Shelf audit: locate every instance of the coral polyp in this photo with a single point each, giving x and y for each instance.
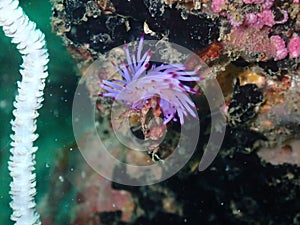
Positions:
(142, 82)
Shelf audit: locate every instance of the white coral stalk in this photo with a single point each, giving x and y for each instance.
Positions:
(31, 44)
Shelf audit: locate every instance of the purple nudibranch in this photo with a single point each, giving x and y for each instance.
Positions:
(140, 83)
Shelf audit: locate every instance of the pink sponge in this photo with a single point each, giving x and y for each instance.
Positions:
(279, 44)
(217, 5)
(294, 47)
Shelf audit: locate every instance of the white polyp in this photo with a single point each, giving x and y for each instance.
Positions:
(31, 44)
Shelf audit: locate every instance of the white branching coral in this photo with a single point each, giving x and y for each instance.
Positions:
(31, 44)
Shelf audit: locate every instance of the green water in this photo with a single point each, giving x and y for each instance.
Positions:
(54, 123)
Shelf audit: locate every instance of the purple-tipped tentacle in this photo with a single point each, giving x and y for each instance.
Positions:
(140, 48)
(128, 57)
(126, 73)
(112, 84)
